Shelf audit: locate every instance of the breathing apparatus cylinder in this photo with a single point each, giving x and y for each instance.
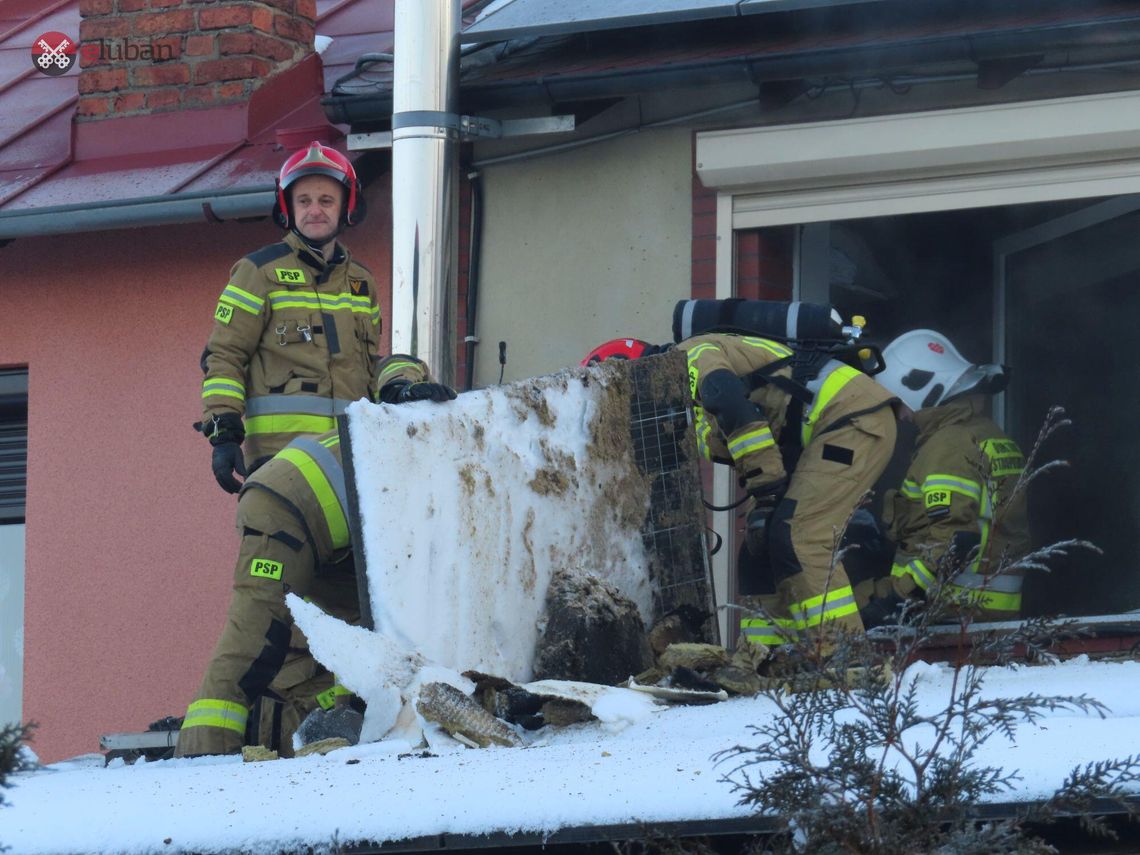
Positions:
(764, 318)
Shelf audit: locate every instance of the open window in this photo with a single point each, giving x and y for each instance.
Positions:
(1049, 289)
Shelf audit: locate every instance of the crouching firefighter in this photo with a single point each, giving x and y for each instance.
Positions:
(294, 524)
(807, 435)
(957, 517)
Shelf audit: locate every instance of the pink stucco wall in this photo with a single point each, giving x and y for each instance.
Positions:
(130, 542)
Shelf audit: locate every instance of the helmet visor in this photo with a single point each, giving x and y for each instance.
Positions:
(988, 379)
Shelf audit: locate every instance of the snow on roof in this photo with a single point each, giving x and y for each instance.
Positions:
(650, 767)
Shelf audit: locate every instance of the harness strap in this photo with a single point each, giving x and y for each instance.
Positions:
(843, 421)
(794, 386)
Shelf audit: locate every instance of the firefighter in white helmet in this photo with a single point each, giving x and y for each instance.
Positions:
(957, 510)
(806, 452)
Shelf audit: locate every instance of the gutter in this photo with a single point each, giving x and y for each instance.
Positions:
(208, 206)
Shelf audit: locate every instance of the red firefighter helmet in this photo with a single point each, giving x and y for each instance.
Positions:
(318, 159)
(619, 348)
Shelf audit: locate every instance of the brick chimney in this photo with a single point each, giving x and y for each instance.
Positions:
(139, 57)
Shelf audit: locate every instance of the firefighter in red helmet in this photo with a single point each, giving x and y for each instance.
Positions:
(806, 447)
(297, 326)
(621, 348)
(295, 337)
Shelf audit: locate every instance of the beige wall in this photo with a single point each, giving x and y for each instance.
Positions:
(582, 247)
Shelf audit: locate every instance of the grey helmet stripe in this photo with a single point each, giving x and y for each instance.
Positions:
(792, 320)
(687, 319)
(305, 405)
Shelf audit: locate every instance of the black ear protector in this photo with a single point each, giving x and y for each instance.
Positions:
(360, 209)
(282, 213)
(279, 214)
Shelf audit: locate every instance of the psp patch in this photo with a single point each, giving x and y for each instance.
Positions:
(290, 276)
(224, 313)
(358, 287)
(263, 568)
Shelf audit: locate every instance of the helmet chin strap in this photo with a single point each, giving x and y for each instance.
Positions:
(316, 245)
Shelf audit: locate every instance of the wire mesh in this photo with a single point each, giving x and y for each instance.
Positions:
(665, 452)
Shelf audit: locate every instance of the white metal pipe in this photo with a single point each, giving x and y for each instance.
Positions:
(425, 174)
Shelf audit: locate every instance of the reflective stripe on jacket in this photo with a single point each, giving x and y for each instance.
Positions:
(956, 495)
(838, 390)
(294, 341)
(313, 487)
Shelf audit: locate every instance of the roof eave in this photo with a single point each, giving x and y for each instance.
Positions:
(201, 207)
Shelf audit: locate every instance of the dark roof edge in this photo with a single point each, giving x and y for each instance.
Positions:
(133, 213)
(757, 825)
(790, 64)
(375, 108)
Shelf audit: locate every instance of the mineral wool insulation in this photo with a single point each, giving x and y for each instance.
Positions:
(468, 508)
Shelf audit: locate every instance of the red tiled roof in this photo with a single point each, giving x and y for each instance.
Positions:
(46, 166)
(42, 165)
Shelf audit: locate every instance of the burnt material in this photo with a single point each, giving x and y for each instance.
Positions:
(593, 633)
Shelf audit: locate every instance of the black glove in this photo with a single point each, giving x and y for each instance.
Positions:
(225, 433)
(881, 610)
(756, 524)
(403, 391)
(756, 529)
(227, 460)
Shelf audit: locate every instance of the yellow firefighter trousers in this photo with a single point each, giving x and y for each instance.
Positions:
(834, 472)
(259, 639)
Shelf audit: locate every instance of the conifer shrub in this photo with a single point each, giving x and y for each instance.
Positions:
(858, 760)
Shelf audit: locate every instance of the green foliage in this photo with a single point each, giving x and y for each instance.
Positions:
(12, 739)
(12, 759)
(854, 762)
(857, 760)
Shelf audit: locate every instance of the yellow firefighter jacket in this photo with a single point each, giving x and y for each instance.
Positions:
(300, 494)
(957, 494)
(294, 342)
(838, 393)
(308, 477)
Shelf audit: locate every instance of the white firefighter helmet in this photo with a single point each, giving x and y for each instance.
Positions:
(924, 369)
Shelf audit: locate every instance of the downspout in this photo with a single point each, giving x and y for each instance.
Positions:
(425, 169)
(475, 182)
